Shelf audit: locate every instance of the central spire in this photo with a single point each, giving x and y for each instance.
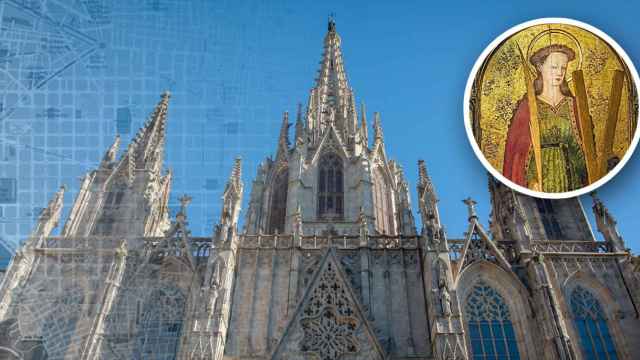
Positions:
(331, 102)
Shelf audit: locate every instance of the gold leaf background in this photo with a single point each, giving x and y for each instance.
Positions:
(500, 85)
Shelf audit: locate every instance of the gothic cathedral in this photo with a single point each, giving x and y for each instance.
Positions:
(328, 265)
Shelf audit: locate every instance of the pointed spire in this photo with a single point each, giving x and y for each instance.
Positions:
(185, 200)
(299, 130)
(424, 180)
(600, 209)
(607, 224)
(49, 217)
(236, 173)
(55, 204)
(377, 128)
(110, 155)
(331, 100)
(151, 137)
(283, 139)
(364, 131)
(231, 200)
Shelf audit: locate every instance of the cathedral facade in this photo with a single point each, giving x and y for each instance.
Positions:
(329, 263)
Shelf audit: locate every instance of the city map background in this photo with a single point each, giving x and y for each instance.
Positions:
(74, 74)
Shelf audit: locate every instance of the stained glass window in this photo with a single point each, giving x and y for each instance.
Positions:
(278, 210)
(382, 203)
(159, 335)
(330, 187)
(111, 209)
(591, 325)
(488, 319)
(549, 220)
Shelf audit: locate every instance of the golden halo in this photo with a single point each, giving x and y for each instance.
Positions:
(562, 33)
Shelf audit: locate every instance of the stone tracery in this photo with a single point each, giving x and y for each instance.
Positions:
(329, 321)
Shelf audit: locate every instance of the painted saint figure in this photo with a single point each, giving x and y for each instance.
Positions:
(562, 153)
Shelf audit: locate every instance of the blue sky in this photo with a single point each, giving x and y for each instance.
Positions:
(411, 61)
(233, 67)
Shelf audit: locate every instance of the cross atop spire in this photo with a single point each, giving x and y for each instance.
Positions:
(331, 99)
(332, 23)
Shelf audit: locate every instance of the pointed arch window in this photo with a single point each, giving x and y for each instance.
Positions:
(278, 207)
(591, 324)
(488, 319)
(111, 206)
(549, 219)
(161, 325)
(382, 203)
(330, 187)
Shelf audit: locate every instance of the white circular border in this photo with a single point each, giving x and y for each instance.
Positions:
(468, 121)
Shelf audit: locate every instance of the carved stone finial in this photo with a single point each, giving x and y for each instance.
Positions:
(471, 204)
(184, 201)
(236, 173)
(422, 171)
(362, 217)
(283, 140)
(377, 127)
(110, 155)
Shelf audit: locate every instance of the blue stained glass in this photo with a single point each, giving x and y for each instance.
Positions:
(476, 347)
(508, 330)
(487, 344)
(581, 329)
(474, 331)
(596, 339)
(484, 328)
(591, 324)
(489, 322)
(496, 328)
(513, 350)
(500, 349)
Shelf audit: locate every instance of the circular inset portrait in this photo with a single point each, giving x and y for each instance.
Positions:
(551, 108)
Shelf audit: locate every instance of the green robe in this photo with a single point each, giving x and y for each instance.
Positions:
(563, 164)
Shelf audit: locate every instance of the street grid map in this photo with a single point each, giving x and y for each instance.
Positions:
(73, 74)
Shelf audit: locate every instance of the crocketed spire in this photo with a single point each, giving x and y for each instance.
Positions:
(150, 139)
(331, 102)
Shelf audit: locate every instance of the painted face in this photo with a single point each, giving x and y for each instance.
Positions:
(554, 68)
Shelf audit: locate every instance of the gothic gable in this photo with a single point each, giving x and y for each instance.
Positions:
(329, 322)
(175, 245)
(479, 247)
(330, 143)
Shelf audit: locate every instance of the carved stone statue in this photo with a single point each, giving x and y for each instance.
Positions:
(445, 301)
(443, 288)
(216, 274)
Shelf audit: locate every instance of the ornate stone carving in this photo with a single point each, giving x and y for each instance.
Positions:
(328, 324)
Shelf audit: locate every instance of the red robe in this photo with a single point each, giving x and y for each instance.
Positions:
(516, 151)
